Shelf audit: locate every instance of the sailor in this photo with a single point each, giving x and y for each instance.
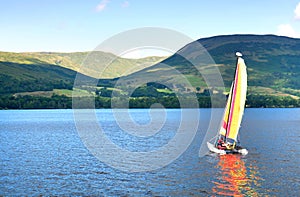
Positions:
(221, 145)
(224, 145)
(229, 146)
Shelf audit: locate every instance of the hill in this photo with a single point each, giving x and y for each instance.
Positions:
(273, 63)
(73, 61)
(45, 71)
(38, 76)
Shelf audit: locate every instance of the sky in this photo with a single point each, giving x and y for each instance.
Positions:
(81, 25)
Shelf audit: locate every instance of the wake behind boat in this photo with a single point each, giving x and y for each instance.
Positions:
(226, 141)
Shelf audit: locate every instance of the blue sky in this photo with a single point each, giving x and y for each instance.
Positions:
(68, 26)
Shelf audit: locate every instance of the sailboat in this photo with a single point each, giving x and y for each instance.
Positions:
(226, 141)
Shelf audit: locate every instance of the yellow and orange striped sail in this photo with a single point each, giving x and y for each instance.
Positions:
(235, 104)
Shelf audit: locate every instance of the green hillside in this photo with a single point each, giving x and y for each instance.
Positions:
(46, 71)
(38, 76)
(273, 63)
(76, 61)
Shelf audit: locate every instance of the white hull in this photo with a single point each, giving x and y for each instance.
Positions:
(213, 149)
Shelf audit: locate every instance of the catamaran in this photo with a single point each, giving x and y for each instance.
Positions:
(226, 141)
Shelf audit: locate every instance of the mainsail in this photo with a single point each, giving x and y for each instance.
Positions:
(235, 104)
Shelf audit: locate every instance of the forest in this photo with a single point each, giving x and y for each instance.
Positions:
(64, 102)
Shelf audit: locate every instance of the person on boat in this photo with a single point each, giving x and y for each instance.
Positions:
(221, 144)
(224, 145)
(230, 146)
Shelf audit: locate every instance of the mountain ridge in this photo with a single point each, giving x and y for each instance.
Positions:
(273, 66)
(75, 60)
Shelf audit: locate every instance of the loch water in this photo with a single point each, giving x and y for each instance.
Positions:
(42, 154)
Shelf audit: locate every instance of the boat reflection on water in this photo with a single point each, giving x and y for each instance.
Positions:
(233, 178)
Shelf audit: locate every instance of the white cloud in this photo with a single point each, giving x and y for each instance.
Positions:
(287, 30)
(297, 12)
(102, 5)
(125, 4)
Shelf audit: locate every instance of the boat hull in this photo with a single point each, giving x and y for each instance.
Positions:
(213, 149)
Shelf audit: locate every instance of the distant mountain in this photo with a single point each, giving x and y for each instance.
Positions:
(45, 71)
(273, 62)
(117, 67)
(273, 66)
